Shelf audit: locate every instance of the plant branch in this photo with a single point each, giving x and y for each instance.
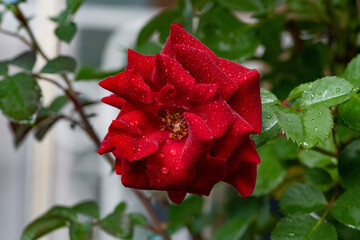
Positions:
(16, 35)
(326, 152)
(157, 224)
(358, 8)
(20, 16)
(42, 77)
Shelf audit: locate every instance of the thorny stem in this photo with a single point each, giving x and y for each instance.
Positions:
(71, 94)
(158, 225)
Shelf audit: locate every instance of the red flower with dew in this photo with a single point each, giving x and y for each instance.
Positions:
(185, 120)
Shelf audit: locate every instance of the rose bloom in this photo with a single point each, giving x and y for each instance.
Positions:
(185, 120)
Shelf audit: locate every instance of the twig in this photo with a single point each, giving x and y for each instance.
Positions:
(358, 8)
(16, 35)
(326, 152)
(157, 224)
(41, 77)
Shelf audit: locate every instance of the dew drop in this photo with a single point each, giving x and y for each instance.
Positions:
(168, 142)
(158, 180)
(315, 128)
(291, 234)
(312, 120)
(318, 93)
(289, 119)
(164, 170)
(312, 96)
(172, 151)
(161, 155)
(268, 117)
(131, 124)
(337, 89)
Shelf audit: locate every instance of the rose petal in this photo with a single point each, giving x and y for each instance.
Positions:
(178, 35)
(106, 145)
(130, 86)
(209, 171)
(114, 100)
(205, 92)
(166, 170)
(134, 174)
(176, 196)
(246, 101)
(244, 155)
(244, 179)
(142, 64)
(170, 71)
(225, 146)
(204, 70)
(217, 114)
(118, 168)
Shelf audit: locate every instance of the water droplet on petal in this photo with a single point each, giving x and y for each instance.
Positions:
(168, 142)
(164, 170)
(161, 155)
(173, 151)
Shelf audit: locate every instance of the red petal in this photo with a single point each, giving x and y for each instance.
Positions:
(243, 180)
(205, 92)
(246, 101)
(204, 70)
(134, 174)
(217, 114)
(209, 171)
(167, 170)
(178, 35)
(130, 86)
(225, 146)
(142, 64)
(170, 71)
(176, 196)
(245, 154)
(118, 168)
(106, 145)
(168, 95)
(114, 100)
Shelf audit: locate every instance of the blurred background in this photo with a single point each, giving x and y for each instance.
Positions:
(63, 168)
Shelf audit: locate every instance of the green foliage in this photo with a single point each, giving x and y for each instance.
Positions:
(350, 112)
(302, 198)
(66, 31)
(352, 73)
(271, 171)
(80, 231)
(233, 229)
(328, 91)
(346, 208)
(91, 73)
(299, 227)
(20, 98)
(349, 165)
(3, 69)
(60, 65)
(25, 60)
(89, 208)
(223, 33)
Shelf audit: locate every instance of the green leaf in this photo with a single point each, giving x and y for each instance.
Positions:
(61, 18)
(267, 97)
(319, 178)
(138, 218)
(185, 212)
(118, 223)
(160, 23)
(233, 229)
(80, 231)
(149, 48)
(19, 131)
(73, 5)
(223, 33)
(89, 208)
(91, 73)
(285, 150)
(298, 91)
(302, 198)
(270, 172)
(62, 64)
(350, 112)
(186, 14)
(66, 31)
(58, 103)
(328, 91)
(346, 208)
(270, 127)
(300, 227)
(20, 98)
(62, 212)
(3, 68)
(352, 71)
(307, 128)
(349, 165)
(44, 126)
(25, 60)
(41, 227)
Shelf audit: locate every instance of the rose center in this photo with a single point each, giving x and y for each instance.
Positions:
(174, 122)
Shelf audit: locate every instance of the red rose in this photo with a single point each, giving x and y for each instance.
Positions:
(185, 120)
